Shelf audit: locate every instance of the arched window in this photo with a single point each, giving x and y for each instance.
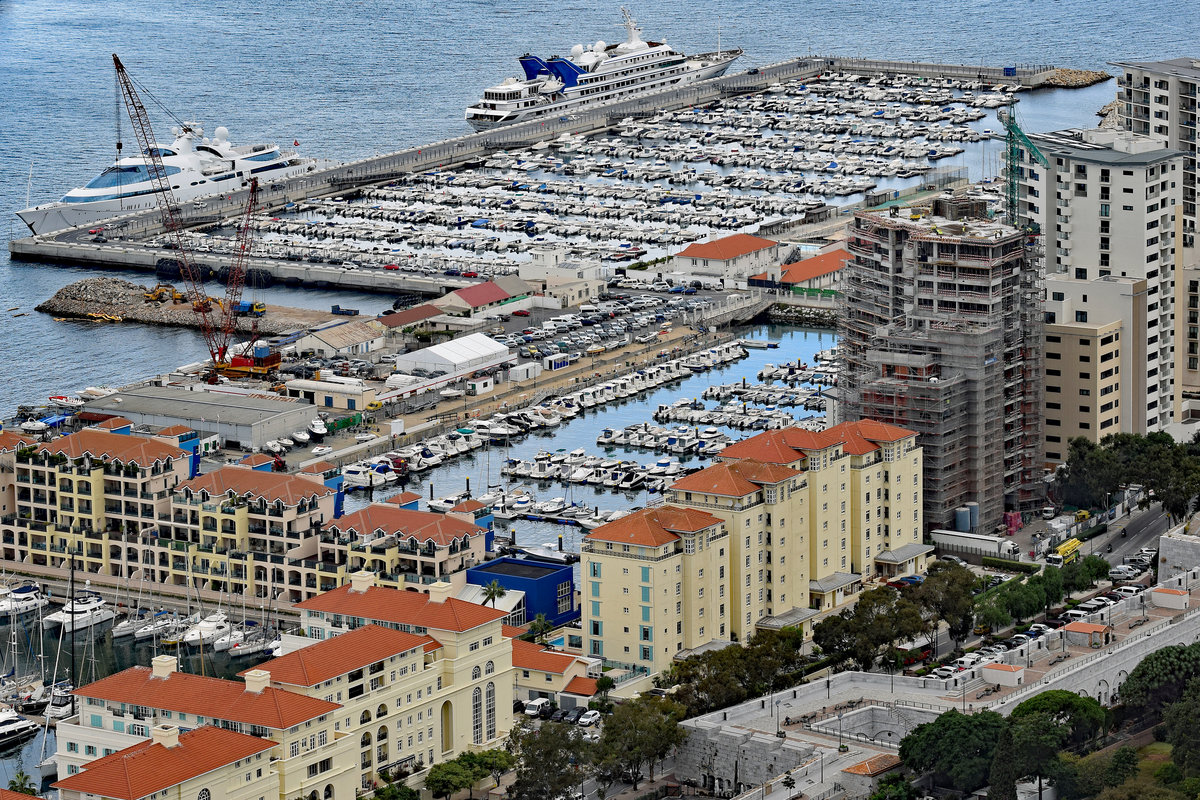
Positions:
(489, 668)
(477, 715)
(329, 791)
(382, 735)
(381, 711)
(366, 739)
(476, 673)
(491, 710)
(365, 718)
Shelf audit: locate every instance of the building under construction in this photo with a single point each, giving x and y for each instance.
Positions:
(941, 334)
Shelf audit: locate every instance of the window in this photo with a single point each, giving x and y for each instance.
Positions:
(477, 715)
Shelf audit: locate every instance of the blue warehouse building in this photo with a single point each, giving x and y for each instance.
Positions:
(549, 588)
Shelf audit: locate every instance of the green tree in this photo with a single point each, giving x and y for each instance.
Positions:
(640, 733)
(1005, 771)
(1124, 765)
(447, 777)
(957, 748)
(1020, 600)
(493, 592)
(946, 596)
(1036, 739)
(604, 685)
(493, 763)
(894, 787)
(21, 783)
(1161, 677)
(546, 759)
(1094, 568)
(540, 628)
(992, 613)
(789, 783)
(1183, 734)
(1082, 717)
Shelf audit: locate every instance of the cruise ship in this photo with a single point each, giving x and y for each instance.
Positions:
(593, 76)
(197, 166)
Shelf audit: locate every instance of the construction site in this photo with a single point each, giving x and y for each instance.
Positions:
(941, 334)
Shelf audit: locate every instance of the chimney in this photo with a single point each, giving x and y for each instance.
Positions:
(257, 680)
(438, 592)
(361, 581)
(163, 666)
(166, 735)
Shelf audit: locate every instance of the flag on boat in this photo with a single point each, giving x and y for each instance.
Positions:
(295, 143)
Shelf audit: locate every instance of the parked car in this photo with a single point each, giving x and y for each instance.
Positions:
(589, 718)
(534, 707)
(573, 716)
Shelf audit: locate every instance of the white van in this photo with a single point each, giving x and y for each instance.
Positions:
(534, 707)
(588, 309)
(1074, 615)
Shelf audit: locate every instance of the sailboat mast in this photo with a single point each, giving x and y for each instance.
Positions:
(71, 599)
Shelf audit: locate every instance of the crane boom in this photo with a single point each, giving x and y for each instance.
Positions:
(216, 341)
(237, 271)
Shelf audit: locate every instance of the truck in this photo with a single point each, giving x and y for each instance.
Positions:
(249, 308)
(979, 542)
(345, 312)
(1065, 553)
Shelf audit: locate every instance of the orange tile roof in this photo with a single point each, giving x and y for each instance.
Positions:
(318, 468)
(403, 523)
(654, 527)
(140, 450)
(328, 658)
(405, 608)
(147, 768)
(212, 698)
(1171, 591)
(481, 294)
(809, 268)
(530, 655)
(1004, 667)
(1085, 627)
(410, 316)
(11, 440)
(785, 446)
(402, 499)
(174, 430)
(113, 422)
(256, 460)
(874, 765)
(873, 430)
(469, 506)
(734, 478)
(584, 687)
(513, 631)
(727, 247)
(270, 486)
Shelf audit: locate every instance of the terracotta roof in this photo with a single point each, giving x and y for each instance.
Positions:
(734, 478)
(404, 608)
(328, 658)
(212, 698)
(481, 294)
(654, 527)
(256, 460)
(403, 523)
(431, 643)
(147, 768)
(1004, 667)
(410, 316)
(584, 687)
(139, 450)
(809, 268)
(469, 506)
(1171, 591)
(174, 430)
(402, 499)
(874, 765)
(113, 422)
(6, 794)
(318, 468)
(270, 486)
(873, 430)
(727, 247)
(1085, 627)
(785, 446)
(513, 631)
(530, 655)
(11, 440)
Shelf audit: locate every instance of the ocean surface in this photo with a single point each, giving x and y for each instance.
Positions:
(352, 79)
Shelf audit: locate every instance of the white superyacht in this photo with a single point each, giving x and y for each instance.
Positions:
(595, 75)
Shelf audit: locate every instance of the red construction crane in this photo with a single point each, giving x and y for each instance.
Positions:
(217, 330)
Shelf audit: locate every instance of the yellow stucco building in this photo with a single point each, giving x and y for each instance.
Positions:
(785, 526)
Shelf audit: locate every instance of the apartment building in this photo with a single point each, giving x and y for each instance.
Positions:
(785, 527)
(1106, 210)
(1158, 99)
(90, 493)
(385, 685)
(203, 763)
(311, 750)
(467, 664)
(10, 443)
(403, 547)
(941, 334)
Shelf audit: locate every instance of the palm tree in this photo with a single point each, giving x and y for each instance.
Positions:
(22, 784)
(493, 592)
(540, 627)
